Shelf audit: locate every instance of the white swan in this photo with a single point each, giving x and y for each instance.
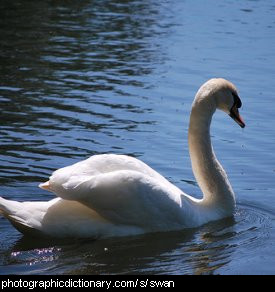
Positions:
(115, 195)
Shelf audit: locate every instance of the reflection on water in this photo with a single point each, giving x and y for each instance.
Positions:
(197, 251)
(79, 78)
(68, 79)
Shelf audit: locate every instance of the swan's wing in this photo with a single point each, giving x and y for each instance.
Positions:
(122, 189)
(126, 197)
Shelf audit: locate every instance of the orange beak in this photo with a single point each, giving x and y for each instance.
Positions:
(235, 115)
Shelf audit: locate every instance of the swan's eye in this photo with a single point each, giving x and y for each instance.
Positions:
(237, 100)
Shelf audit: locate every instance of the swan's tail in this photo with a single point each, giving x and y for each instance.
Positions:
(15, 213)
(8, 207)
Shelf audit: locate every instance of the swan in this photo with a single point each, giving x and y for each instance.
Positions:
(116, 195)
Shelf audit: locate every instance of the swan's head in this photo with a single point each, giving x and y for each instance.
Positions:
(223, 95)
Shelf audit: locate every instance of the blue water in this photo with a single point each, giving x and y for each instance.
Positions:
(79, 78)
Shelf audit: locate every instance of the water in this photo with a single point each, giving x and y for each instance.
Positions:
(85, 77)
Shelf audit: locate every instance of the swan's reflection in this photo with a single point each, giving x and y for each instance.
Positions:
(194, 251)
(213, 250)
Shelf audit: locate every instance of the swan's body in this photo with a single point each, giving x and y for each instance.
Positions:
(115, 195)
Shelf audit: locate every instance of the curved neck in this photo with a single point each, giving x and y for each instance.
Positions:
(211, 177)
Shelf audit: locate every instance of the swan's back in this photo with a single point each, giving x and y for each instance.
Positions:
(103, 163)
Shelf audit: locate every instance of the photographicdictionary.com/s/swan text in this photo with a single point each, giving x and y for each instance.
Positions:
(49, 283)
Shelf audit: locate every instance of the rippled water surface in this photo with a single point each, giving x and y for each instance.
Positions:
(79, 78)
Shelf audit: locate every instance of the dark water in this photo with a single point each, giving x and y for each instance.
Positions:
(79, 78)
